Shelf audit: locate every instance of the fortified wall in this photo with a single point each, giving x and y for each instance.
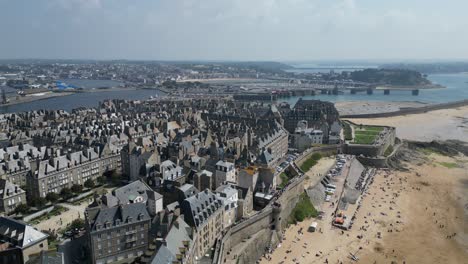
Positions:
(325, 150)
(249, 239)
(373, 150)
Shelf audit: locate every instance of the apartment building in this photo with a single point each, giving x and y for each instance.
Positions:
(119, 233)
(204, 212)
(72, 168)
(11, 195)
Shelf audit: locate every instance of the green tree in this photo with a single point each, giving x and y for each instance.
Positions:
(52, 197)
(76, 188)
(89, 183)
(22, 209)
(38, 202)
(115, 178)
(66, 193)
(77, 224)
(101, 180)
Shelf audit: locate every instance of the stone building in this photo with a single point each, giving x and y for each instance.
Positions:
(248, 178)
(72, 168)
(11, 195)
(137, 161)
(204, 212)
(245, 202)
(230, 197)
(225, 171)
(177, 246)
(275, 145)
(119, 233)
(203, 180)
(303, 139)
(134, 192)
(318, 114)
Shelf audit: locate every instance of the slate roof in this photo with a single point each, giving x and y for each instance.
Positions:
(202, 206)
(8, 189)
(127, 194)
(121, 213)
(164, 256)
(19, 234)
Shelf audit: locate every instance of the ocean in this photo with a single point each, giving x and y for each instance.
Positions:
(456, 89)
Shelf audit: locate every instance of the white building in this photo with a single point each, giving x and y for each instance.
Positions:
(229, 195)
(225, 172)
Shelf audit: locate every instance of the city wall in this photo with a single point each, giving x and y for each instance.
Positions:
(324, 150)
(249, 239)
(379, 162)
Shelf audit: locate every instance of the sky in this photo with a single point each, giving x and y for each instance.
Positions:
(277, 30)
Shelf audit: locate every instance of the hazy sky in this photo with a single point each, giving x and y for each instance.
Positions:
(234, 29)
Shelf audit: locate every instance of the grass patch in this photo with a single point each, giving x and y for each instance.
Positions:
(449, 165)
(388, 151)
(348, 134)
(303, 210)
(364, 139)
(284, 180)
(310, 162)
(366, 134)
(428, 151)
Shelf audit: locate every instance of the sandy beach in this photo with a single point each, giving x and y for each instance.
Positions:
(371, 107)
(435, 125)
(415, 216)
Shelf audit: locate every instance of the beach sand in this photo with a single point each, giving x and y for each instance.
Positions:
(417, 213)
(371, 107)
(435, 125)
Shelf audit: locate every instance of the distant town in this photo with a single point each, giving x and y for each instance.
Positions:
(29, 80)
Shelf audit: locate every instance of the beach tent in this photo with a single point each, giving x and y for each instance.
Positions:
(313, 227)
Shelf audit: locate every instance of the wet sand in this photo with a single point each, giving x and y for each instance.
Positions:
(421, 216)
(435, 125)
(371, 107)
